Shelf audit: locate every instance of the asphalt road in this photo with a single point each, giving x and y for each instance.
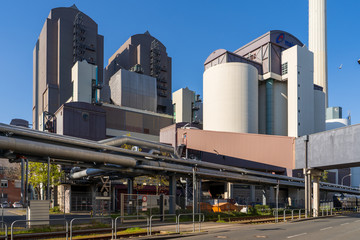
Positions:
(339, 227)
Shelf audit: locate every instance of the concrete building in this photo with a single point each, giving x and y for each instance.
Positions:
(305, 100)
(145, 52)
(231, 105)
(187, 106)
(67, 36)
(83, 78)
(134, 90)
(286, 101)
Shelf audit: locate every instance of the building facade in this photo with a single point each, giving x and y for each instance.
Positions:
(145, 54)
(68, 36)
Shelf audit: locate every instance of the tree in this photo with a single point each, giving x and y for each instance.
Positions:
(38, 175)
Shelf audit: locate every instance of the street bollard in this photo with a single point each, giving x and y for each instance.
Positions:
(292, 215)
(284, 215)
(299, 213)
(322, 212)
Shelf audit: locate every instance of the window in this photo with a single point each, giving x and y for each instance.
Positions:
(4, 183)
(17, 183)
(284, 68)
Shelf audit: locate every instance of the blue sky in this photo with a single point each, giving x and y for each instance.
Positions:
(190, 30)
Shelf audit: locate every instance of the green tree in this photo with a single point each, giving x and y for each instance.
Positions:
(38, 175)
(324, 176)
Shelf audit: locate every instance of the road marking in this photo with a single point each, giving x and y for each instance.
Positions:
(221, 236)
(343, 224)
(325, 228)
(357, 221)
(297, 235)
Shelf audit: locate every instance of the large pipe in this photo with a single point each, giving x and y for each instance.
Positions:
(86, 173)
(118, 141)
(26, 147)
(92, 144)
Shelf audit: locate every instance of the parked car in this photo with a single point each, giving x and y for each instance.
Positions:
(17, 205)
(5, 205)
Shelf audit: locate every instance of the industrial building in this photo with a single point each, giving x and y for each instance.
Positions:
(187, 106)
(265, 87)
(68, 36)
(144, 54)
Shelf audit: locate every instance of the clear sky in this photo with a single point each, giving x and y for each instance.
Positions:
(190, 30)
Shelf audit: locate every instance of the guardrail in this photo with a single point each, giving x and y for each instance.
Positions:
(193, 221)
(39, 220)
(163, 215)
(93, 218)
(129, 217)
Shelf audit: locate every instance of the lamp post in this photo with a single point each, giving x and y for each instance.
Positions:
(342, 180)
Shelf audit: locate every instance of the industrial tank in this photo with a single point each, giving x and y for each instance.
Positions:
(230, 94)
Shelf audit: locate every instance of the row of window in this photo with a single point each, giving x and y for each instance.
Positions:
(5, 183)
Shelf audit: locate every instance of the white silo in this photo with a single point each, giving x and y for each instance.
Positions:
(231, 98)
(318, 43)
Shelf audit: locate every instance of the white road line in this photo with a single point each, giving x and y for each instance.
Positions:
(343, 224)
(357, 221)
(297, 235)
(325, 228)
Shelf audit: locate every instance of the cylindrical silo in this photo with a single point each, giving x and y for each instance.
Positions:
(230, 94)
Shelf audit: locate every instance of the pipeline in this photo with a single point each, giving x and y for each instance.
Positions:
(26, 147)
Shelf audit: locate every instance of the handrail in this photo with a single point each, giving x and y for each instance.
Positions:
(6, 229)
(190, 214)
(135, 216)
(40, 220)
(162, 215)
(112, 224)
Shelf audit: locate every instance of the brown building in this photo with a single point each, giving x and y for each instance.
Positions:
(10, 190)
(143, 53)
(68, 35)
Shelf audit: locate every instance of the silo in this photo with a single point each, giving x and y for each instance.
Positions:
(230, 92)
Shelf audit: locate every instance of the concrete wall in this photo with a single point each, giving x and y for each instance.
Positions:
(332, 149)
(82, 76)
(131, 89)
(266, 149)
(183, 100)
(300, 90)
(231, 98)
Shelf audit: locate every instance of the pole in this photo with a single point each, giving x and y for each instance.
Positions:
(194, 196)
(48, 179)
(64, 191)
(277, 201)
(22, 181)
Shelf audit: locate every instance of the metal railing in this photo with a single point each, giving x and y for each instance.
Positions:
(163, 216)
(93, 218)
(132, 218)
(38, 220)
(5, 226)
(193, 221)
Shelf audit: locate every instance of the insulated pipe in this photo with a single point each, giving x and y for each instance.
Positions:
(85, 173)
(118, 141)
(27, 147)
(92, 144)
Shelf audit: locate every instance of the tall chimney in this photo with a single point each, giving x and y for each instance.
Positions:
(318, 43)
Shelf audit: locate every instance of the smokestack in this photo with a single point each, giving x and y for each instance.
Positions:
(318, 43)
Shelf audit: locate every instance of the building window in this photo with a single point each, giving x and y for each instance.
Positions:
(17, 183)
(284, 68)
(4, 183)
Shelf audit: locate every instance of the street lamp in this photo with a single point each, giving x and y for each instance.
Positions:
(342, 180)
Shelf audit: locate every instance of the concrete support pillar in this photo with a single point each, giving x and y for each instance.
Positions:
(263, 196)
(195, 193)
(229, 190)
(252, 193)
(316, 195)
(172, 193)
(130, 185)
(272, 195)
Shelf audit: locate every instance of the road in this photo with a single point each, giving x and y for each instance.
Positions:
(339, 227)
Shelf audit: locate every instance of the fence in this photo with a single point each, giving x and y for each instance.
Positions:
(67, 228)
